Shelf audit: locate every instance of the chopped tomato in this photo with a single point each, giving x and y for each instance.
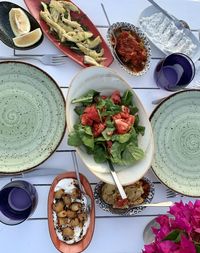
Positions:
(115, 97)
(98, 128)
(103, 97)
(92, 113)
(86, 120)
(131, 119)
(124, 115)
(117, 116)
(121, 202)
(122, 126)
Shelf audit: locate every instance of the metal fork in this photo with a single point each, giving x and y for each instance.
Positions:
(47, 59)
(172, 194)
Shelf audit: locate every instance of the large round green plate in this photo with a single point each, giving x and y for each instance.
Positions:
(176, 129)
(32, 116)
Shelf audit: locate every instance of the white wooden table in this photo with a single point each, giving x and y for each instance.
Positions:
(113, 234)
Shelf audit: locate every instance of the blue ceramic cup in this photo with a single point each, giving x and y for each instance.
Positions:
(174, 72)
(18, 200)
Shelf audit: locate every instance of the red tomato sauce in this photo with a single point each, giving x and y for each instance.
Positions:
(131, 50)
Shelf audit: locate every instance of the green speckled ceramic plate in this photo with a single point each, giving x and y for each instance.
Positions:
(176, 128)
(32, 116)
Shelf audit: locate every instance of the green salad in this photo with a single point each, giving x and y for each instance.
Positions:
(108, 127)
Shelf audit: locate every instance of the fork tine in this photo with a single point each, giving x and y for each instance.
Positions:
(171, 194)
(58, 60)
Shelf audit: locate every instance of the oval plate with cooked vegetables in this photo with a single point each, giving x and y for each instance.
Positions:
(106, 81)
(109, 199)
(71, 228)
(71, 31)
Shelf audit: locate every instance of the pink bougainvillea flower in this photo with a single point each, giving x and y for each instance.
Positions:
(186, 219)
(182, 224)
(167, 246)
(186, 245)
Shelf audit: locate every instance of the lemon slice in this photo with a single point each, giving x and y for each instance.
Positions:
(19, 21)
(28, 39)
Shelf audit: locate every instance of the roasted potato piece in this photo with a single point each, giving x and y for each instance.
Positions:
(74, 222)
(70, 214)
(58, 194)
(62, 214)
(58, 206)
(63, 221)
(67, 200)
(68, 232)
(76, 206)
(76, 194)
(82, 216)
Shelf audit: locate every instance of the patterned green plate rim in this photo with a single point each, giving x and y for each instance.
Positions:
(32, 116)
(176, 128)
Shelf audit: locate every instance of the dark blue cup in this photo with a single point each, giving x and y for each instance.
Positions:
(18, 200)
(174, 72)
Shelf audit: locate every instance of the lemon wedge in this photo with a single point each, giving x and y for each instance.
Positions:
(28, 39)
(19, 21)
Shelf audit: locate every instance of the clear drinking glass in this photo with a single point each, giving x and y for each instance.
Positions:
(174, 72)
(18, 200)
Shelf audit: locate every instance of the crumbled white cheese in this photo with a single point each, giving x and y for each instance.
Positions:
(162, 31)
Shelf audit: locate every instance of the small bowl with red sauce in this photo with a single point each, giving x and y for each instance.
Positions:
(131, 46)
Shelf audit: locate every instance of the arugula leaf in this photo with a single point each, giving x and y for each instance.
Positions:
(131, 154)
(79, 110)
(121, 138)
(100, 154)
(139, 129)
(86, 98)
(74, 139)
(109, 123)
(111, 108)
(85, 134)
(88, 141)
(127, 98)
(106, 133)
(116, 152)
(99, 139)
(133, 110)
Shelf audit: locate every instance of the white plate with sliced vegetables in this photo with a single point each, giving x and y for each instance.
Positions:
(106, 120)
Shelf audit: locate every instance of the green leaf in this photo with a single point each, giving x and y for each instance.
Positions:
(116, 152)
(85, 134)
(132, 153)
(198, 248)
(100, 154)
(127, 98)
(173, 236)
(139, 129)
(110, 108)
(79, 110)
(88, 130)
(74, 139)
(107, 133)
(88, 141)
(99, 139)
(86, 98)
(121, 138)
(109, 123)
(133, 110)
